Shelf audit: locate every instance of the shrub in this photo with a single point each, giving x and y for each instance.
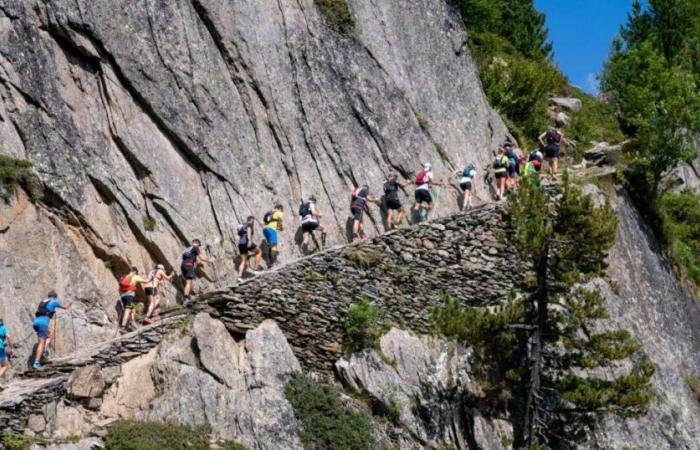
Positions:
(138, 435)
(364, 326)
(149, 223)
(14, 172)
(594, 122)
(15, 441)
(325, 422)
(232, 445)
(693, 383)
(337, 15)
(518, 87)
(679, 219)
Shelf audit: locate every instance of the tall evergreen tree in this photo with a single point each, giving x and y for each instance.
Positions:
(516, 20)
(547, 341)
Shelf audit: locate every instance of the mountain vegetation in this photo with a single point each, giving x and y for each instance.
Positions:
(510, 44)
(652, 80)
(554, 363)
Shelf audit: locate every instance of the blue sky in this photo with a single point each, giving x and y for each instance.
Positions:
(582, 31)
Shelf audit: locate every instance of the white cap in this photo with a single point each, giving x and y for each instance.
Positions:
(160, 266)
(427, 166)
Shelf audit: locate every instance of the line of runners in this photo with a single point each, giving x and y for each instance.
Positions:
(510, 163)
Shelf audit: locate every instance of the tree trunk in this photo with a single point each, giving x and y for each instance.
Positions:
(536, 357)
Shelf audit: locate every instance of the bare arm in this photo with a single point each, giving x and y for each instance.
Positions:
(66, 305)
(201, 258)
(541, 138)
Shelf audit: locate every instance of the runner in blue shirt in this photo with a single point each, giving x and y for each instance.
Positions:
(4, 350)
(44, 313)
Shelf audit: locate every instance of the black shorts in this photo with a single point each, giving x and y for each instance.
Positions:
(187, 272)
(466, 186)
(512, 167)
(128, 301)
(423, 196)
(393, 203)
(308, 227)
(501, 174)
(357, 213)
(552, 151)
(150, 290)
(244, 249)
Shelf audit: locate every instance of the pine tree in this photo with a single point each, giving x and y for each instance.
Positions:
(563, 369)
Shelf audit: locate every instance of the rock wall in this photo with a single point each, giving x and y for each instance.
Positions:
(405, 272)
(152, 122)
(664, 315)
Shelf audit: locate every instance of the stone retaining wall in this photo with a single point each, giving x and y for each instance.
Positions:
(406, 272)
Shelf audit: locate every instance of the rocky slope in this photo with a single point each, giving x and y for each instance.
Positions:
(153, 122)
(425, 378)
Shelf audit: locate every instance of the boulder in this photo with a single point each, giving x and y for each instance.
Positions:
(561, 119)
(568, 103)
(424, 380)
(86, 382)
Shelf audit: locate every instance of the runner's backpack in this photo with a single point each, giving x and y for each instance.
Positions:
(190, 254)
(43, 309)
(422, 177)
(356, 192)
(304, 209)
(125, 285)
(552, 136)
(499, 163)
(469, 171)
(242, 229)
(267, 218)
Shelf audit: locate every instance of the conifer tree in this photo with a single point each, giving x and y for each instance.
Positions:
(561, 367)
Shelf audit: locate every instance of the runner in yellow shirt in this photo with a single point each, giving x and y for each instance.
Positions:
(273, 224)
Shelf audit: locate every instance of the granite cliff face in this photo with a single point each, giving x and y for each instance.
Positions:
(150, 123)
(153, 122)
(141, 374)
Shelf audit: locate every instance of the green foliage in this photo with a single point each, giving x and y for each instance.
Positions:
(326, 423)
(486, 331)
(14, 172)
(364, 325)
(518, 87)
(595, 121)
(563, 238)
(652, 80)
(149, 223)
(337, 15)
(693, 382)
(517, 21)
(138, 435)
(15, 441)
(232, 445)
(363, 257)
(679, 215)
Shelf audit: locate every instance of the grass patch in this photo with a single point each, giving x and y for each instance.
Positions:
(693, 382)
(364, 257)
(232, 445)
(149, 223)
(312, 276)
(364, 325)
(14, 172)
(141, 435)
(337, 15)
(15, 441)
(679, 220)
(325, 422)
